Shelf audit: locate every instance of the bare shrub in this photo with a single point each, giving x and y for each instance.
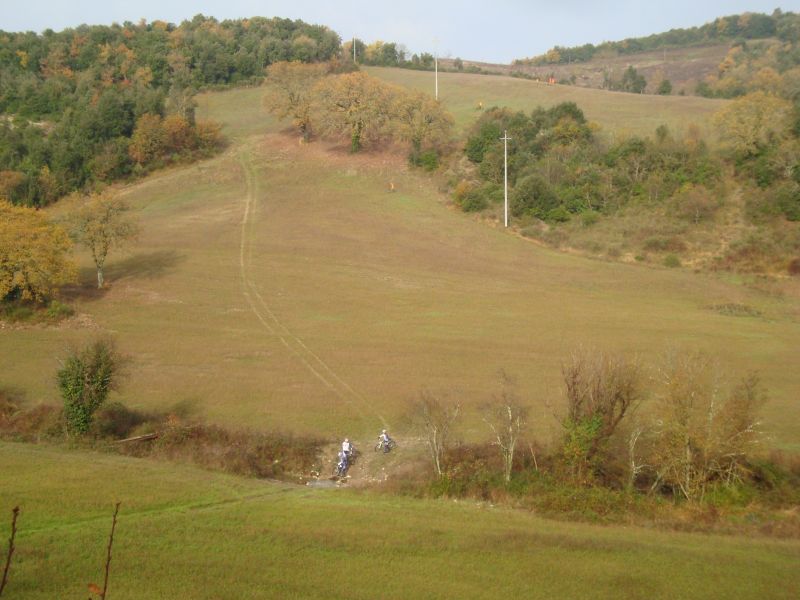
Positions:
(705, 432)
(29, 424)
(662, 243)
(600, 390)
(695, 204)
(8, 406)
(507, 418)
(437, 418)
(249, 453)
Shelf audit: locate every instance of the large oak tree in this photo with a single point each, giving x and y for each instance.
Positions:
(290, 87)
(356, 105)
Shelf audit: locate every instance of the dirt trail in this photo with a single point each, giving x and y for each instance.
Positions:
(269, 320)
(371, 467)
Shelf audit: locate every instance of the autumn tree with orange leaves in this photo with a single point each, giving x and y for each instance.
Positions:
(34, 255)
(290, 92)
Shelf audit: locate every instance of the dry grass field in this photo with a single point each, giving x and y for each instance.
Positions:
(283, 286)
(617, 113)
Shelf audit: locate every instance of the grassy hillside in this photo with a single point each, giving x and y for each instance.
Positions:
(199, 535)
(282, 286)
(617, 113)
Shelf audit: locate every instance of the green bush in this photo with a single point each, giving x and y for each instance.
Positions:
(428, 160)
(57, 311)
(85, 380)
(558, 214)
(589, 218)
(580, 436)
(672, 261)
(532, 195)
(17, 313)
(475, 199)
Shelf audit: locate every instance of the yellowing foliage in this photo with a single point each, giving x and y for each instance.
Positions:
(290, 92)
(421, 120)
(34, 254)
(354, 104)
(23, 58)
(751, 121)
(178, 133)
(148, 140)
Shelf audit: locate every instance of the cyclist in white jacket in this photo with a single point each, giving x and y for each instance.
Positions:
(347, 448)
(385, 441)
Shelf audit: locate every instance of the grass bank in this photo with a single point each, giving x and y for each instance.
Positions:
(186, 533)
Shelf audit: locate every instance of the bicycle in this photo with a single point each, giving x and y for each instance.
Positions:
(340, 469)
(386, 447)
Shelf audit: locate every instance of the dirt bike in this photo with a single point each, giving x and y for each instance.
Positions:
(385, 447)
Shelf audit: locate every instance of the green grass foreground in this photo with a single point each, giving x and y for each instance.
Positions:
(187, 533)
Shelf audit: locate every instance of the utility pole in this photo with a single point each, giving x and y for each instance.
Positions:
(436, 65)
(354, 49)
(436, 68)
(505, 139)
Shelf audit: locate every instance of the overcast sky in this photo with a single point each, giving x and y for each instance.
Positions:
(492, 30)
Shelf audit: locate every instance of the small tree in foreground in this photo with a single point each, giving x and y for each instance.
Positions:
(102, 593)
(102, 224)
(600, 390)
(85, 380)
(437, 418)
(11, 548)
(506, 417)
(704, 432)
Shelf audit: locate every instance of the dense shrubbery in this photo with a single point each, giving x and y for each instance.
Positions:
(631, 447)
(248, 453)
(559, 168)
(664, 194)
(96, 103)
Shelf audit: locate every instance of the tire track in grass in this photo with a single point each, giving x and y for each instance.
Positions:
(313, 363)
